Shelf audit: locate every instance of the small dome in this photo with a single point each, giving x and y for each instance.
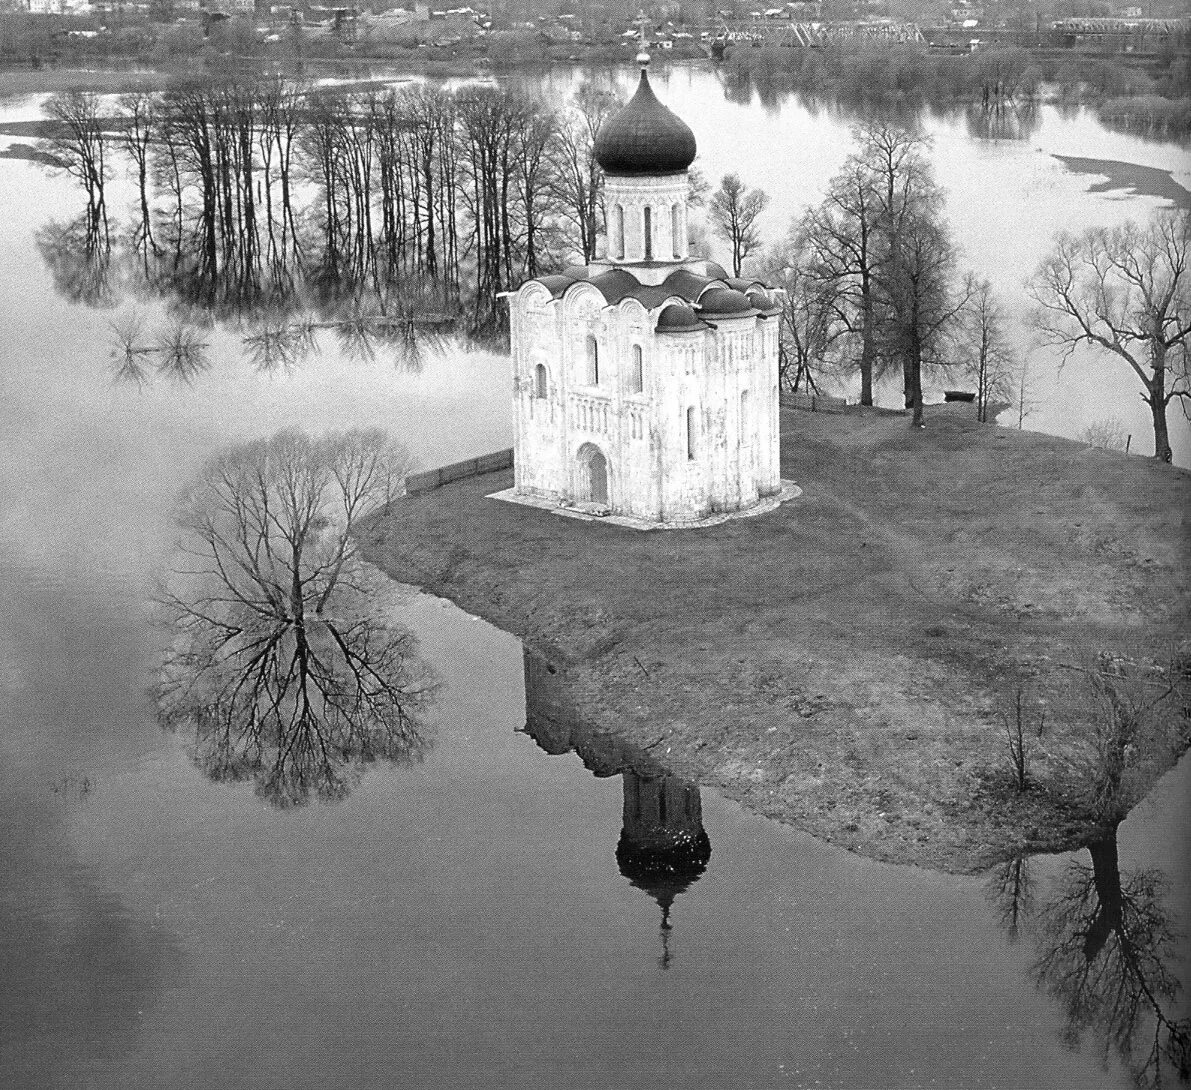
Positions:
(762, 299)
(645, 138)
(616, 284)
(677, 318)
(724, 302)
(709, 269)
(686, 284)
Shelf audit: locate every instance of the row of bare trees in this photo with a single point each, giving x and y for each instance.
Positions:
(870, 273)
(872, 289)
(247, 186)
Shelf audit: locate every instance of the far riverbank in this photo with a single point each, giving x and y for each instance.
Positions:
(846, 663)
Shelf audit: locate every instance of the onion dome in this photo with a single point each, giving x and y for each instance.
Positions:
(677, 318)
(724, 303)
(645, 138)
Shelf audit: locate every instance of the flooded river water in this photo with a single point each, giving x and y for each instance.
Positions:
(480, 917)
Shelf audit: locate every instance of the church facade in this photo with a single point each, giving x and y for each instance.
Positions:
(645, 383)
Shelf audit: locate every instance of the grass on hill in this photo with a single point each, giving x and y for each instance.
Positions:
(846, 662)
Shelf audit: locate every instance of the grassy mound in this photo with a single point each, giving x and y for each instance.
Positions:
(849, 661)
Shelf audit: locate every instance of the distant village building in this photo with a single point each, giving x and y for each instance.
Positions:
(645, 383)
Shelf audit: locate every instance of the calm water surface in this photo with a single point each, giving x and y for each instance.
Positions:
(464, 921)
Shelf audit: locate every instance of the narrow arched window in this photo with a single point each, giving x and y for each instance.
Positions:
(676, 229)
(620, 232)
(648, 233)
(539, 380)
(637, 374)
(593, 362)
(690, 434)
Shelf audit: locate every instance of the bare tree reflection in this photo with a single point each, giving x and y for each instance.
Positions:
(178, 351)
(274, 345)
(1106, 944)
(78, 254)
(1011, 889)
(1105, 948)
(1003, 119)
(181, 353)
(406, 340)
(277, 664)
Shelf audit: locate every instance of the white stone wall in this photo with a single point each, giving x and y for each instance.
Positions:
(726, 375)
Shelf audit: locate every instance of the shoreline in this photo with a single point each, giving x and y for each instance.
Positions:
(1131, 179)
(843, 663)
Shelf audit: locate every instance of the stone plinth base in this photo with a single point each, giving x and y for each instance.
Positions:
(789, 491)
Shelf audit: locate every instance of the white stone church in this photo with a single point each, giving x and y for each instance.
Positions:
(645, 383)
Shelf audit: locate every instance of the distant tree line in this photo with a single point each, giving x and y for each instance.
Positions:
(993, 77)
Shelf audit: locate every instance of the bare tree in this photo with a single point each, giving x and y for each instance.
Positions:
(1126, 290)
(1107, 433)
(985, 349)
(733, 210)
(813, 326)
(277, 665)
(922, 305)
(842, 238)
(879, 236)
(577, 179)
(915, 256)
(1023, 395)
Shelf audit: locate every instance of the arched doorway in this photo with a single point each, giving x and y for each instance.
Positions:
(593, 475)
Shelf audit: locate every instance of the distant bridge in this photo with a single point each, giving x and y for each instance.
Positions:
(809, 35)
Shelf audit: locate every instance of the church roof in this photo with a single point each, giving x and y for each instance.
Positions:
(677, 318)
(725, 302)
(645, 138)
(708, 296)
(704, 267)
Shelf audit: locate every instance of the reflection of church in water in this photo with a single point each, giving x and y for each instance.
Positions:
(663, 846)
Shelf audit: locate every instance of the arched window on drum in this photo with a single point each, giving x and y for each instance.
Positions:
(637, 371)
(540, 381)
(593, 362)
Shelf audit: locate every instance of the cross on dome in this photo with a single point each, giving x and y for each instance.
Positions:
(643, 52)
